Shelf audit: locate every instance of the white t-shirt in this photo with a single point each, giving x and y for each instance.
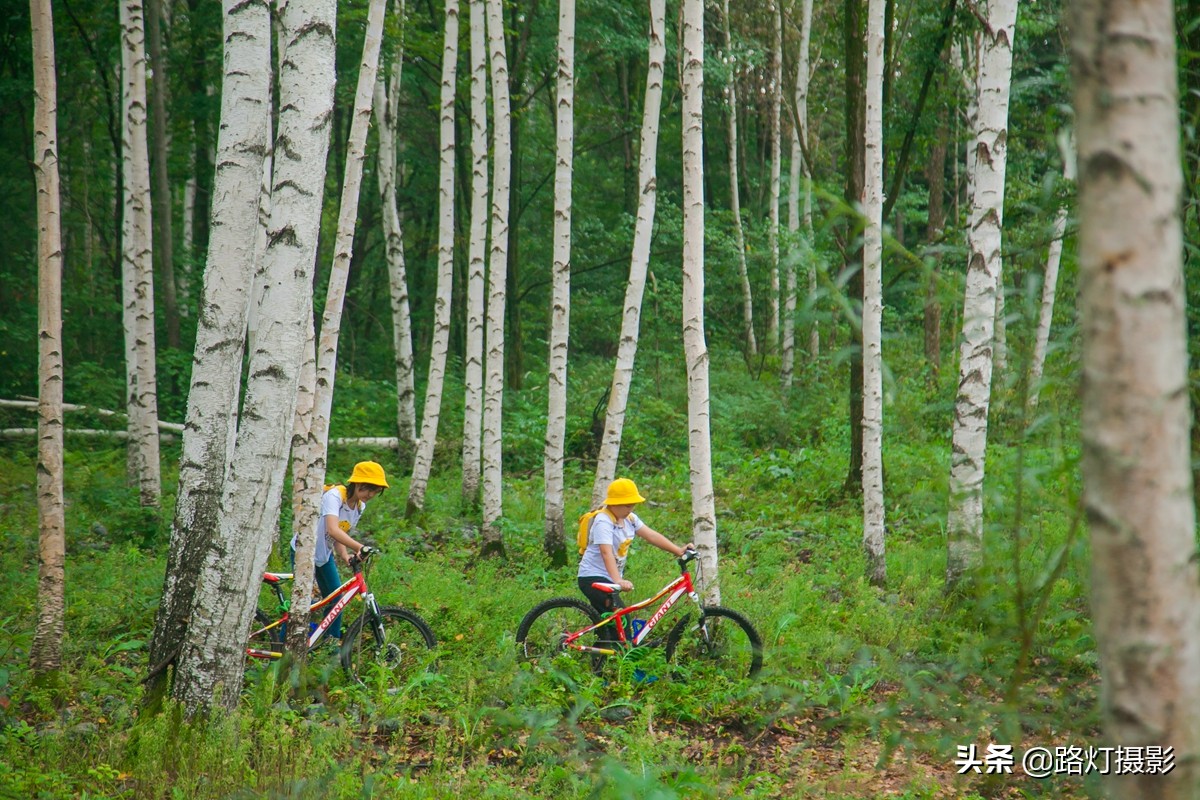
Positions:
(333, 503)
(618, 536)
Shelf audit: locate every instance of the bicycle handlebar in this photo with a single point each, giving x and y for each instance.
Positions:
(688, 556)
(363, 556)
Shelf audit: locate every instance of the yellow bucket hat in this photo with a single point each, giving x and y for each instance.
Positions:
(623, 492)
(368, 472)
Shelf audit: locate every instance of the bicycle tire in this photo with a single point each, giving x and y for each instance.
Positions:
(722, 638)
(541, 632)
(396, 659)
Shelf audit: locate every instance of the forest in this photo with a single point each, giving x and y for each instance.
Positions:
(884, 308)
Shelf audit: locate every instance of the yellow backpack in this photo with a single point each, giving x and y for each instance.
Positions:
(585, 526)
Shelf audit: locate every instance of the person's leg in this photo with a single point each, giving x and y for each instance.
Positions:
(605, 603)
(328, 580)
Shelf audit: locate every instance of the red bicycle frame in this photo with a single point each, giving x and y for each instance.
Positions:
(672, 591)
(357, 585)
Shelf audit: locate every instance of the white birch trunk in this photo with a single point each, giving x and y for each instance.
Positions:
(872, 314)
(798, 167)
(1049, 287)
(735, 202)
(137, 268)
(45, 655)
(560, 302)
(387, 120)
(423, 461)
(476, 261)
(493, 384)
(704, 517)
(306, 492)
(209, 434)
(210, 664)
(1136, 458)
(639, 262)
(776, 156)
(964, 526)
(331, 319)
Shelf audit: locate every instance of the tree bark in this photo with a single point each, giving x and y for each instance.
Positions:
(45, 655)
(799, 166)
(423, 462)
(776, 156)
(1049, 284)
(1135, 406)
(872, 334)
(210, 667)
(210, 432)
(735, 203)
(704, 517)
(560, 304)
(476, 262)
(854, 46)
(639, 261)
(498, 265)
(964, 525)
(162, 180)
(137, 262)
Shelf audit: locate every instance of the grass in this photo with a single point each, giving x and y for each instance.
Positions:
(863, 693)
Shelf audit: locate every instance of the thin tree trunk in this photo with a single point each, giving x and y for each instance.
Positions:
(208, 438)
(493, 386)
(317, 446)
(872, 204)
(854, 44)
(1049, 285)
(639, 261)
(776, 156)
(423, 462)
(560, 304)
(735, 203)
(1135, 406)
(964, 525)
(476, 262)
(799, 166)
(137, 262)
(210, 663)
(935, 175)
(162, 180)
(387, 120)
(45, 655)
(305, 487)
(704, 517)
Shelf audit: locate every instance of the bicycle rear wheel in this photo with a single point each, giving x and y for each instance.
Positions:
(541, 634)
(722, 640)
(389, 653)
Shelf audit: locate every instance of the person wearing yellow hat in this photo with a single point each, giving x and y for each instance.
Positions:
(341, 508)
(609, 536)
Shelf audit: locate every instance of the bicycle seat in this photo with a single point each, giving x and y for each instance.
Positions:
(276, 577)
(611, 588)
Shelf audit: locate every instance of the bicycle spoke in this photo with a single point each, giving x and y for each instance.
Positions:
(721, 641)
(541, 635)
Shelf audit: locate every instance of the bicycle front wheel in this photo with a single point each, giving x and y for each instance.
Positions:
(389, 649)
(543, 631)
(723, 640)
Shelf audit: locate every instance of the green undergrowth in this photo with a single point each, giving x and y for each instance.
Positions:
(864, 691)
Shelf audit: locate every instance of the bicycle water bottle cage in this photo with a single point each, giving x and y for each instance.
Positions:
(611, 588)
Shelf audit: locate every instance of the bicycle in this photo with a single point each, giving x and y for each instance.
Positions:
(383, 641)
(721, 636)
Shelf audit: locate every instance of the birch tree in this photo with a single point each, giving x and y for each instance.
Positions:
(639, 260)
(137, 267)
(387, 121)
(476, 261)
(964, 525)
(735, 202)
(209, 434)
(45, 655)
(776, 155)
(161, 196)
(872, 319)
(1136, 458)
(560, 303)
(423, 461)
(704, 517)
(1050, 283)
(493, 383)
(798, 166)
(331, 320)
(210, 662)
